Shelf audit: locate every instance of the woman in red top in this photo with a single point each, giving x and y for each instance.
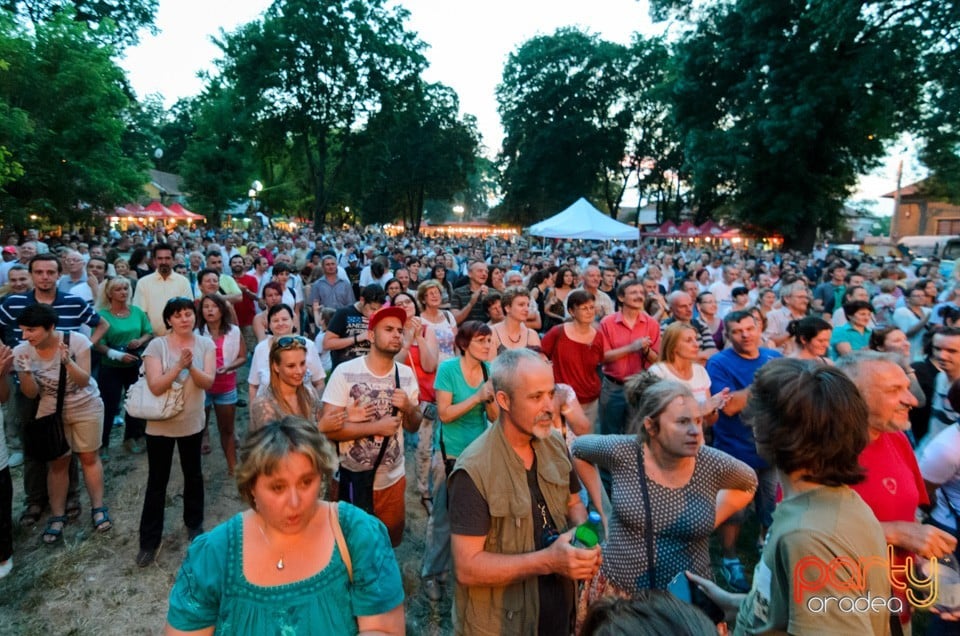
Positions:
(420, 351)
(576, 351)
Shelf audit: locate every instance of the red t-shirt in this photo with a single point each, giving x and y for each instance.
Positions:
(574, 363)
(893, 488)
(424, 380)
(245, 308)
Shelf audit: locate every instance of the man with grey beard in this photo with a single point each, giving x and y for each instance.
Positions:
(513, 498)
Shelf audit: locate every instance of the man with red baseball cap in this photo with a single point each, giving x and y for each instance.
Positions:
(380, 398)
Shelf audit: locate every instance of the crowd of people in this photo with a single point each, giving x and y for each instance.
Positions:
(676, 390)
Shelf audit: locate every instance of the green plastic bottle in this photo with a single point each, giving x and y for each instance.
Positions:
(587, 533)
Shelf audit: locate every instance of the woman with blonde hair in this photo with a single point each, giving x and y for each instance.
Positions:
(120, 350)
(287, 394)
(679, 353)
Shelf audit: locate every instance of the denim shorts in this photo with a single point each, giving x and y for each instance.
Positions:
(230, 397)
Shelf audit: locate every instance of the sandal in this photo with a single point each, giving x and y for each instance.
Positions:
(105, 524)
(31, 516)
(427, 503)
(73, 509)
(50, 534)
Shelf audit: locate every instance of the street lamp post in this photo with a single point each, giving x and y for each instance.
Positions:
(255, 189)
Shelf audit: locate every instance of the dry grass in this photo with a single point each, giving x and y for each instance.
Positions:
(89, 584)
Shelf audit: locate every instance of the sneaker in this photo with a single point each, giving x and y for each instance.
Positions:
(16, 459)
(146, 556)
(6, 567)
(432, 589)
(732, 572)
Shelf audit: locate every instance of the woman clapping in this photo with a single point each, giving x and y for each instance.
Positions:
(38, 360)
(180, 356)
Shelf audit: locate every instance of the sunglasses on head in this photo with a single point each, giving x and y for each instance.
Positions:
(179, 298)
(286, 342)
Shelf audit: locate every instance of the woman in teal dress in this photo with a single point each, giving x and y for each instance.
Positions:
(292, 564)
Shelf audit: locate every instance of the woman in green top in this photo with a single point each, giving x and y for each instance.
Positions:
(129, 333)
(464, 404)
(292, 564)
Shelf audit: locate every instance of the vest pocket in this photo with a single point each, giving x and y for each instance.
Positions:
(509, 523)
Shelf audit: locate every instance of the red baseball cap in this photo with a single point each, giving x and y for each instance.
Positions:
(387, 312)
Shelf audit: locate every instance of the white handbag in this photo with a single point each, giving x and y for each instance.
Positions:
(142, 403)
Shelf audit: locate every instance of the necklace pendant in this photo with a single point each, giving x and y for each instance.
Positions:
(280, 564)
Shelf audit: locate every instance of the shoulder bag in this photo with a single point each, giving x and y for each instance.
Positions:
(696, 596)
(341, 542)
(356, 486)
(450, 462)
(142, 403)
(44, 438)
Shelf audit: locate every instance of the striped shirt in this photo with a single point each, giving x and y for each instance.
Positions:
(72, 313)
(942, 414)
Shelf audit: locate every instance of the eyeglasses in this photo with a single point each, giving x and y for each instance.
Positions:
(288, 342)
(178, 299)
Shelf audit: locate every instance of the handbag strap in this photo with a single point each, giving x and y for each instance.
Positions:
(62, 384)
(483, 421)
(386, 441)
(394, 411)
(338, 536)
(648, 520)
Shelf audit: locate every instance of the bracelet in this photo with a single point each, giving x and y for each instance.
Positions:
(355, 342)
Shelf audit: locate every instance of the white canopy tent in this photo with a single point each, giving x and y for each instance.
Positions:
(583, 221)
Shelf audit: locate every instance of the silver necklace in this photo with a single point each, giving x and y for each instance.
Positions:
(280, 564)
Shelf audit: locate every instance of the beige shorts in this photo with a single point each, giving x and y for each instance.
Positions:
(84, 436)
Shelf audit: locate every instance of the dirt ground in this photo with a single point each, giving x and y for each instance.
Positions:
(89, 583)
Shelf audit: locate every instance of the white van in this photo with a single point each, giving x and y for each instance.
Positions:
(926, 246)
(948, 256)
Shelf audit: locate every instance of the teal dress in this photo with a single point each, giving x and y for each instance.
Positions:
(211, 589)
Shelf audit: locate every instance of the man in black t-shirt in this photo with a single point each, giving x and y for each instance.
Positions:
(347, 335)
(510, 538)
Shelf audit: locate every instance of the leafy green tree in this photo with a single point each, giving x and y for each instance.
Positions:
(109, 21)
(939, 126)
(560, 102)
(416, 148)
(217, 162)
(653, 146)
(62, 120)
(310, 72)
(14, 126)
(782, 104)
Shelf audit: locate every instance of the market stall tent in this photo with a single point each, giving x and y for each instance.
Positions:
(583, 221)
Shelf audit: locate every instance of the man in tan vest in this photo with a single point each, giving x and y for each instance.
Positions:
(513, 498)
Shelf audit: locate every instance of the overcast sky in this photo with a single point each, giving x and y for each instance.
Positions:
(469, 43)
